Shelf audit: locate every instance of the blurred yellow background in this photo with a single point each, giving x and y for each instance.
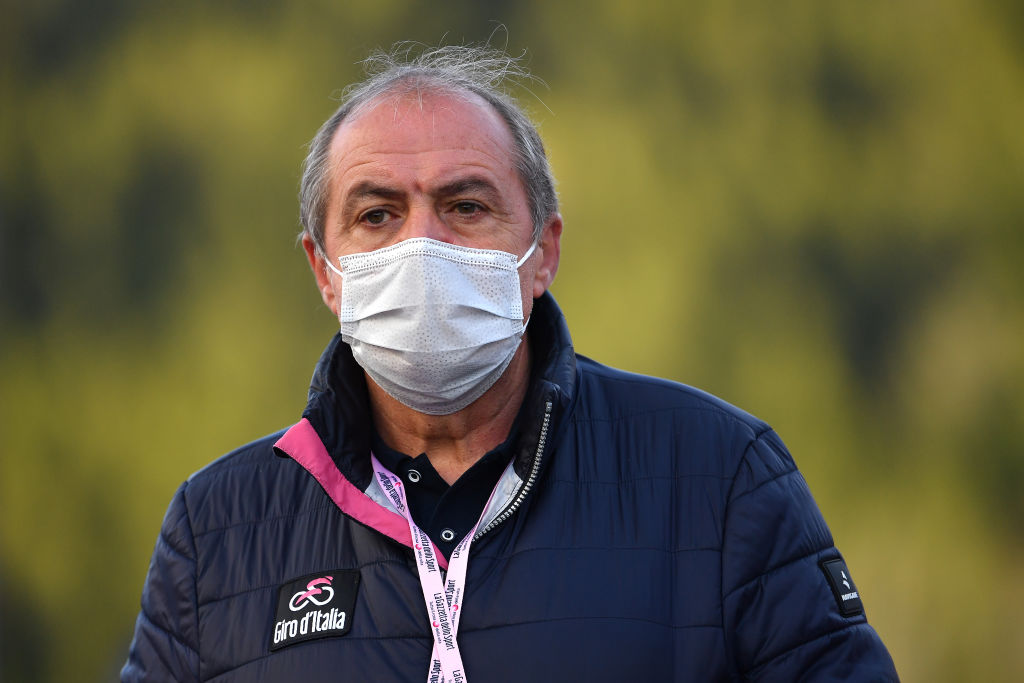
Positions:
(812, 209)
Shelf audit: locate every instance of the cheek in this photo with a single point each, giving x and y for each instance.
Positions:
(333, 293)
(526, 289)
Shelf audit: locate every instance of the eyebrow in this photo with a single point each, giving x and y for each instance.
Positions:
(367, 189)
(470, 185)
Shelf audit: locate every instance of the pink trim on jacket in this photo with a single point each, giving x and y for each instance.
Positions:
(304, 446)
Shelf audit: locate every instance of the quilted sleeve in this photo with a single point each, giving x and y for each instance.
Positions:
(781, 617)
(166, 642)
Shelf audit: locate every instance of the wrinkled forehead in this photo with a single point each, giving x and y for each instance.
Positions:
(412, 117)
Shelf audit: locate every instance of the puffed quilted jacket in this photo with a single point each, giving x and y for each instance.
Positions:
(647, 531)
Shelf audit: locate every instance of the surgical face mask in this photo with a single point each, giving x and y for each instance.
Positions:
(433, 324)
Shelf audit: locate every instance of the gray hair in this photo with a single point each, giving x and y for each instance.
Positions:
(450, 69)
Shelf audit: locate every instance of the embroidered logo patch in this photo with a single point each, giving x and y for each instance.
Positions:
(315, 606)
(842, 586)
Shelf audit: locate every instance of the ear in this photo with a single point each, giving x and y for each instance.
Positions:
(321, 273)
(550, 248)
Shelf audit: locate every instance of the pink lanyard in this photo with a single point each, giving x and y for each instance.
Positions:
(443, 598)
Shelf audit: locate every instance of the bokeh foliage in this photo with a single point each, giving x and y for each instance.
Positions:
(813, 209)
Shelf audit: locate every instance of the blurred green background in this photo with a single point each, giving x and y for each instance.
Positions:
(812, 209)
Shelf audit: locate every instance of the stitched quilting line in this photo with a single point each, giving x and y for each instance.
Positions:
(426, 637)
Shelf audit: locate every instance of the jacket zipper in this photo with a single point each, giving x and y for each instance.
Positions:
(525, 489)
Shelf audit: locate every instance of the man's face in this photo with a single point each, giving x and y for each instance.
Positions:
(435, 166)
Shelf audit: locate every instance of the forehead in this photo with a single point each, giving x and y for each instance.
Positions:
(428, 132)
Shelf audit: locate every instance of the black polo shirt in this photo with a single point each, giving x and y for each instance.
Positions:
(446, 513)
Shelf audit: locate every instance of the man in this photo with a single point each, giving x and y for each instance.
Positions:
(464, 497)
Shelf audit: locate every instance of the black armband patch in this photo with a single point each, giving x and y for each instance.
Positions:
(843, 588)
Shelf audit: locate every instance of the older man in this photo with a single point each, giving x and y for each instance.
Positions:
(464, 497)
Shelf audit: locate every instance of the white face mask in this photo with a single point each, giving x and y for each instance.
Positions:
(433, 324)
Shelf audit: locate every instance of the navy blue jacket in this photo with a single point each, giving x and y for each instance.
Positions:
(648, 531)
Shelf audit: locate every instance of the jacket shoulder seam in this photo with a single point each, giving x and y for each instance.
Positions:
(758, 435)
(195, 572)
(780, 475)
(725, 517)
(167, 542)
(772, 570)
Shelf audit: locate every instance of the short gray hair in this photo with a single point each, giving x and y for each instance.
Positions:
(452, 69)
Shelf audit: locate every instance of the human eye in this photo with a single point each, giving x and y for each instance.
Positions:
(467, 208)
(375, 216)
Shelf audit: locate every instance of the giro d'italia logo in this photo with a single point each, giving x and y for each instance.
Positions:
(318, 591)
(314, 606)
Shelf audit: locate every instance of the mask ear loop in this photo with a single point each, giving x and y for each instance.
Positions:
(327, 262)
(518, 265)
(528, 253)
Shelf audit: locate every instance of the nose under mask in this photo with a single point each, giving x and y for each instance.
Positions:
(433, 324)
